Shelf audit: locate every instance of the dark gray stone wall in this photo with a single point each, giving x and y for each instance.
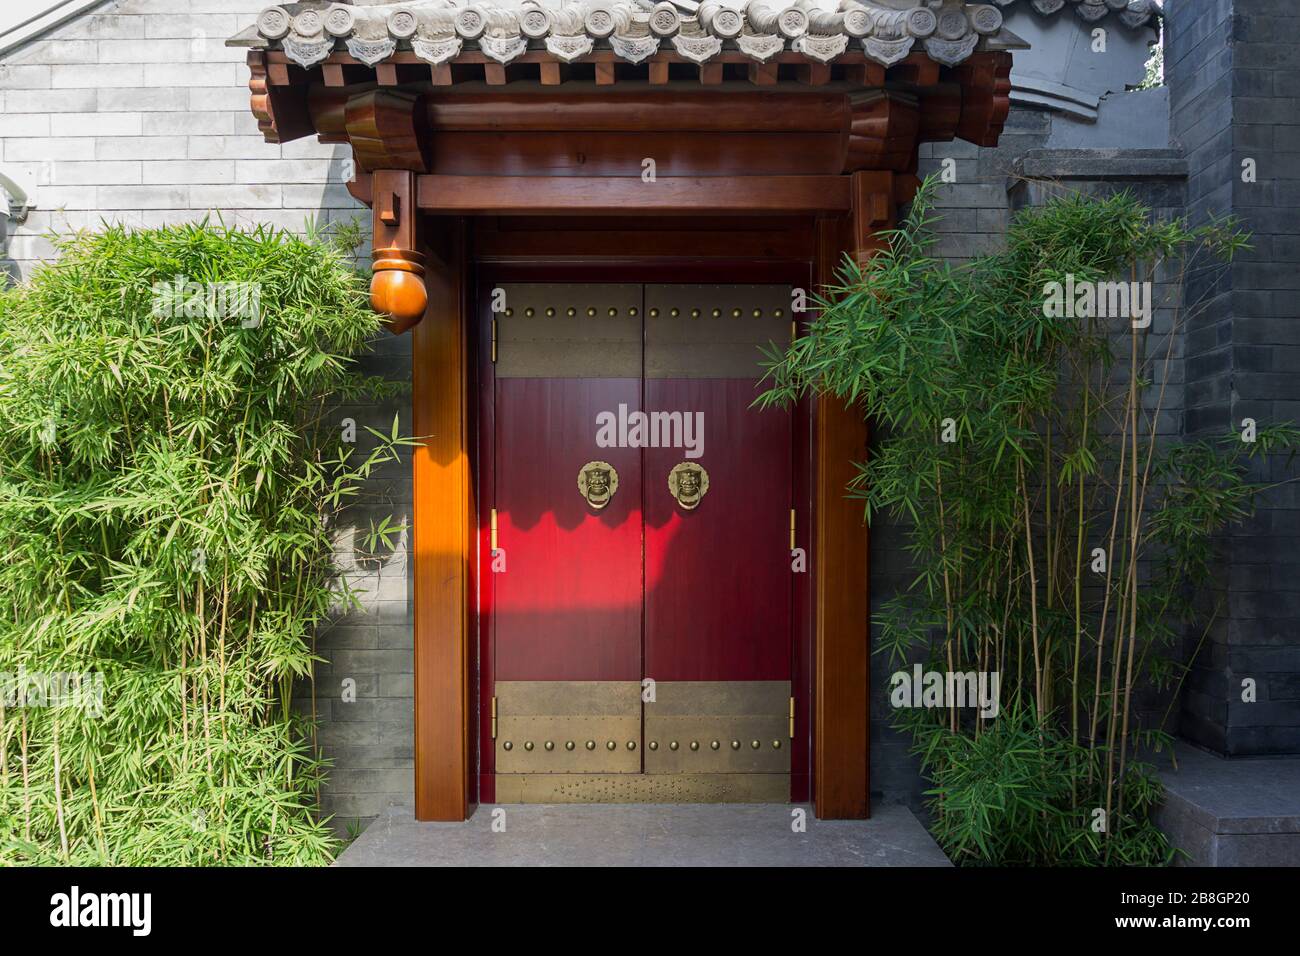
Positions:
(1234, 70)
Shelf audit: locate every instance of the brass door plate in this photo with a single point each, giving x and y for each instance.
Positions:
(556, 727)
(715, 726)
(562, 330)
(714, 331)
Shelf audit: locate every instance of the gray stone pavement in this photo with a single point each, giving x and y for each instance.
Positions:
(646, 835)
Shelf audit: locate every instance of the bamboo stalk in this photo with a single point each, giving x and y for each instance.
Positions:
(58, 790)
(1033, 594)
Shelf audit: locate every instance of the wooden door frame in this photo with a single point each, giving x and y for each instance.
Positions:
(452, 642)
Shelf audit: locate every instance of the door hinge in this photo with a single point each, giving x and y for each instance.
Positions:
(792, 718)
(492, 536)
(792, 529)
(494, 339)
(494, 718)
(794, 330)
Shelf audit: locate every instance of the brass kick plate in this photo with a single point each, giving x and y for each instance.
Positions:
(555, 727)
(725, 727)
(588, 742)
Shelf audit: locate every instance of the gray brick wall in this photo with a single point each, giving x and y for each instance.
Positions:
(1234, 68)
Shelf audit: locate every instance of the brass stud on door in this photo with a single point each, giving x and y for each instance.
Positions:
(776, 745)
(715, 745)
(507, 746)
(695, 745)
(591, 745)
(550, 745)
(568, 745)
(611, 745)
(673, 745)
(631, 745)
(755, 744)
(735, 745)
(528, 745)
(653, 745)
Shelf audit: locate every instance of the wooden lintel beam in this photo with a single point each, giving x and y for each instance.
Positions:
(616, 196)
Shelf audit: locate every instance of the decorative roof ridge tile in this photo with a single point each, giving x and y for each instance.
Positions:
(886, 30)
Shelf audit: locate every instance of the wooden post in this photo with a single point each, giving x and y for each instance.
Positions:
(842, 634)
(445, 728)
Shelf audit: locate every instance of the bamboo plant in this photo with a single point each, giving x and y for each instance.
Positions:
(171, 476)
(1058, 534)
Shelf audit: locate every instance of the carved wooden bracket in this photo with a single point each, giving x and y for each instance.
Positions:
(385, 128)
(883, 129)
(397, 285)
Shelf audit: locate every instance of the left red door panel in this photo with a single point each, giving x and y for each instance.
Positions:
(568, 606)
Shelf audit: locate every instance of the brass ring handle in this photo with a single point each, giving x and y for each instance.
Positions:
(597, 482)
(688, 482)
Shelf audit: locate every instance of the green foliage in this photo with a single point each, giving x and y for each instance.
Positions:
(1014, 443)
(168, 492)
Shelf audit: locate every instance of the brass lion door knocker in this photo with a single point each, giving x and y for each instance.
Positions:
(597, 482)
(688, 483)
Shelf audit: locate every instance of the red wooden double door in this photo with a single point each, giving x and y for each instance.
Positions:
(641, 576)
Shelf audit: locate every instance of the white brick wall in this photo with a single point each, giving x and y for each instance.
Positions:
(138, 113)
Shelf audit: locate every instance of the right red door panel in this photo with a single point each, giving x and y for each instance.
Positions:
(718, 577)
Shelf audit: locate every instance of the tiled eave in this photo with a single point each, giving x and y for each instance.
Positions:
(440, 32)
